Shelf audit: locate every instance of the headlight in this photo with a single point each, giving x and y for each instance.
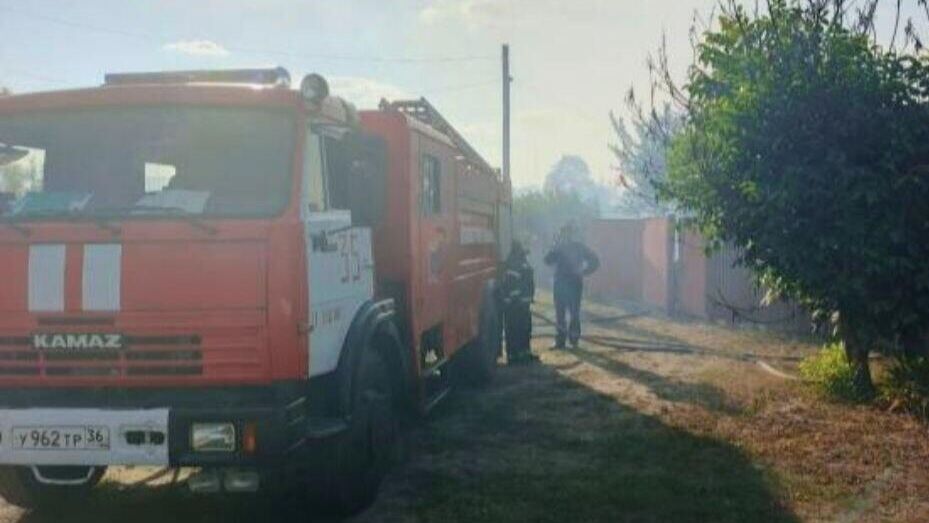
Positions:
(212, 437)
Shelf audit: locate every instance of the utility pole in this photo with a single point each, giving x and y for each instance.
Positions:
(507, 79)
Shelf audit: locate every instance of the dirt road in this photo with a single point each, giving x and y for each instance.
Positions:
(656, 420)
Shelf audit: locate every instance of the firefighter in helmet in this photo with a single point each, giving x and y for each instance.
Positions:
(519, 291)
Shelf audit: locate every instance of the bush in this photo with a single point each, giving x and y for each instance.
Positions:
(829, 371)
(906, 387)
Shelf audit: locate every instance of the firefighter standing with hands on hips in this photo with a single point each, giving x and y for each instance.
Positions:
(518, 294)
(573, 261)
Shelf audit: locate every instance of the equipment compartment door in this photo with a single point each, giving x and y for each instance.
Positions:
(435, 227)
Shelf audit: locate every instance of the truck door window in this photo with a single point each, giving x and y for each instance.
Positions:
(356, 174)
(315, 195)
(431, 190)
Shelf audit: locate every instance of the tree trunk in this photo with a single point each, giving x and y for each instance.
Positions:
(857, 352)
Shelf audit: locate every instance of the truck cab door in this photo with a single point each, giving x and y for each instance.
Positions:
(340, 268)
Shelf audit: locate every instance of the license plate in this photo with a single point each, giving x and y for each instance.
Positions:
(61, 438)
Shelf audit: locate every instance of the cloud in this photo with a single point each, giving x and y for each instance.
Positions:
(366, 93)
(197, 48)
(430, 14)
(492, 13)
(468, 11)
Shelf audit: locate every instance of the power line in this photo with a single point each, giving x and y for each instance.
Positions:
(249, 50)
(75, 25)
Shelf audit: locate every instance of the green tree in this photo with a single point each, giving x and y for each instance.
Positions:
(538, 215)
(571, 174)
(807, 144)
(570, 193)
(542, 214)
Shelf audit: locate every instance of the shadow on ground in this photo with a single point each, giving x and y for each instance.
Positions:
(534, 447)
(540, 447)
(705, 395)
(159, 504)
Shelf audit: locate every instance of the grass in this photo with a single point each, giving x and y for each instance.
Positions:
(565, 453)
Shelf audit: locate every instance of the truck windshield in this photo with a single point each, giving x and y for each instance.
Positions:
(145, 161)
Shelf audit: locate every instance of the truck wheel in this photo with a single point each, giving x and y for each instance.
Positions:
(19, 485)
(480, 357)
(361, 456)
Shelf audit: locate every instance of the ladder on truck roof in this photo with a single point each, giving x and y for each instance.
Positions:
(424, 111)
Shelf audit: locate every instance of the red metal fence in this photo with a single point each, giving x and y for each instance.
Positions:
(652, 262)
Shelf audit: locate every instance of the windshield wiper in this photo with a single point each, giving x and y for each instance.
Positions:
(54, 213)
(103, 217)
(189, 217)
(173, 212)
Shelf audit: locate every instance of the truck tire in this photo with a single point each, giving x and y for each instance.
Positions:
(359, 459)
(479, 363)
(18, 485)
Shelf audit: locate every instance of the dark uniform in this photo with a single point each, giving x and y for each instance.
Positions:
(518, 293)
(573, 261)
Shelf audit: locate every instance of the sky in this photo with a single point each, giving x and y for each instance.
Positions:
(573, 61)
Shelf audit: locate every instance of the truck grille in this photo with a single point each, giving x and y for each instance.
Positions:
(143, 356)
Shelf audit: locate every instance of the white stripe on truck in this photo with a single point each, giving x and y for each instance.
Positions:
(47, 278)
(101, 277)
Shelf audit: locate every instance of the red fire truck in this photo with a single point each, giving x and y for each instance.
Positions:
(210, 269)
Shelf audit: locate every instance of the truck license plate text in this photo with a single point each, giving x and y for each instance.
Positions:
(61, 438)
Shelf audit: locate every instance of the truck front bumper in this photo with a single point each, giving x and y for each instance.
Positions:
(84, 437)
(149, 427)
